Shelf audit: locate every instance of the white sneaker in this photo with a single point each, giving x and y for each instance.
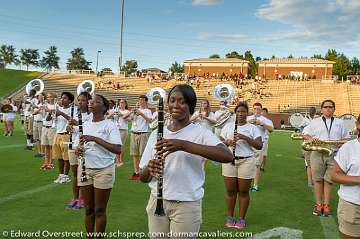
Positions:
(65, 179)
(58, 179)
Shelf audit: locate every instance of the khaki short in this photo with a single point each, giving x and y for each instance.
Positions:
(102, 178)
(73, 159)
(180, 217)
(265, 148)
(59, 149)
(47, 136)
(37, 128)
(349, 218)
(321, 166)
(138, 143)
(307, 157)
(243, 168)
(123, 135)
(28, 125)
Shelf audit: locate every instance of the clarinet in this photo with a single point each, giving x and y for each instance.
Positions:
(83, 177)
(159, 211)
(235, 132)
(72, 116)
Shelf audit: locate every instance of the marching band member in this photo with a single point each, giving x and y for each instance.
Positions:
(10, 118)
(38, 114)
(101, 139)
(308, 119)
(238, 177)
(347, 174)
(204, 117)
(326, 127)
(265, 113)
(139, 133)
(59, 148)
(83, 102)
(186, 147)
(48, 131)
(29, 119)
(222, 109)
(265, 126)
(123, 122)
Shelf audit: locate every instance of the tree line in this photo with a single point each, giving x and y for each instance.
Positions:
(49, 61)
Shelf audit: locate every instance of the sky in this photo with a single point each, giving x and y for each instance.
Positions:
(159, 32)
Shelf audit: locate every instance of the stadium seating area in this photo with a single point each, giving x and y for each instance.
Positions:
(277, 95)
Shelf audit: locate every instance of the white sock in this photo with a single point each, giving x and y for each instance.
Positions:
(28, 142)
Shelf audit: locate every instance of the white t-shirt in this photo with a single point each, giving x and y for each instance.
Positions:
(50, 122)
(40, 113)
(204, 122)
(97, 156)
(317, 129)
(184, 174)
(85, 117)
(12, 115)
(242, 149)
(123, 123)
(28, 106)
(139, 123)
(263, 120)
(61, 122)
(348, 159)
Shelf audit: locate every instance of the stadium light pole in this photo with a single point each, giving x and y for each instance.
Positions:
(121, 34)
(97, 60)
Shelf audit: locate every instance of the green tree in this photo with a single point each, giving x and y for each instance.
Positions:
(77, 60)
(176, 68)
(29, 57)
(342, 67)
(290, 56)
(253, 67)
(7, 54)
(130, 66)
(355, 66)
(273, 57)
(50, 61)
(214, 56)
(331, 55)
(317, 56)
(2, 65)
(234, 54)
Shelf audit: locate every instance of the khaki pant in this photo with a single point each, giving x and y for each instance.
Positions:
(37, 128)
(179, 217)
(307, 158)
(28, 125)
(73, 159)
(138, 143)
(123, 136)
(321, 166)
(349, 218)
(47, 136)
(59, 149)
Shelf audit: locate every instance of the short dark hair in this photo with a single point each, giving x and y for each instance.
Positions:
(326, 101)
(85, 94)
(358, 119)
(188, 94)
(265, 109)
(143, 97)
(242, 104)
(113, 102)
(105, 101)
(257, 104)
(126, 103)
(68, 95)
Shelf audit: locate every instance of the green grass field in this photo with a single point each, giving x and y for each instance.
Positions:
(29, 201)
(11, 79)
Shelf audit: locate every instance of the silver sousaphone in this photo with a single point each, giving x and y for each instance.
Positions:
(86, 85)
(223, 92)
(297, 120)
(153, 96)
(35, 84)
(349, 122)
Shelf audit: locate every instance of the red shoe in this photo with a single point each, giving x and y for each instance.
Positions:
(43, 166)
(135, 176)
(326, 210)
(318, 210)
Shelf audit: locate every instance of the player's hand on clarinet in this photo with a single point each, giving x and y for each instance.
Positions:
(155, 167)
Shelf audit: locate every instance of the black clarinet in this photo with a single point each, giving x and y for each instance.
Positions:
(159, 211)
(83, 177)
(235, 132)
(72, 116)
